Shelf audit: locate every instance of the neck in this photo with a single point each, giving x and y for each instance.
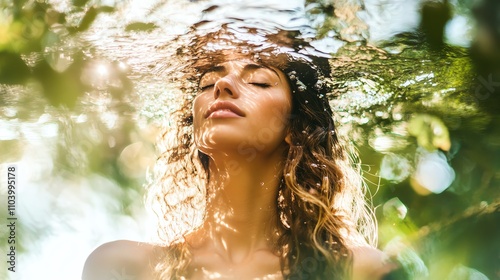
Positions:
(242, 206)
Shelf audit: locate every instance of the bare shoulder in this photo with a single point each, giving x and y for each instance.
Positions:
(370, 263)
(121, 259)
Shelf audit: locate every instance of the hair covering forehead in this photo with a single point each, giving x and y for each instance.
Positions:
(282, 49)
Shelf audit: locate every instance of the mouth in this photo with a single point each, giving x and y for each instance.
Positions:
(224, 109)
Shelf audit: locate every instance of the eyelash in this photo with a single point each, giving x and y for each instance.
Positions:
(262, 85)
(206, 87)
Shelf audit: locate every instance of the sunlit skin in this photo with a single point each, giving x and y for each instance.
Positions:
(246, 156)
(241, 122)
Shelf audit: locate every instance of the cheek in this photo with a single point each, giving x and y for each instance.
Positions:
(275, 113)
(280, 106)
(197, 113)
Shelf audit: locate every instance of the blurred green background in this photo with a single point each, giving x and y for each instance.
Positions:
(417, 91)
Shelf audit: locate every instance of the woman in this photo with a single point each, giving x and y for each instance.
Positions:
(260, 188)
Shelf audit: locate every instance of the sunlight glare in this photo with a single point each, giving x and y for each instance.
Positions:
(433, 174)
(102, 70)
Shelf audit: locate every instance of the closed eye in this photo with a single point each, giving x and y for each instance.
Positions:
(203, 88)
(262, 85)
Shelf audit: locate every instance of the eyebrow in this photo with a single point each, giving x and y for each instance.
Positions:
(248, 67)
(253, 66)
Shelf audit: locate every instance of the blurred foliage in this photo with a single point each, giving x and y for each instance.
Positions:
(424, 115)
(33, 47)
(430, 144)
(58, 94)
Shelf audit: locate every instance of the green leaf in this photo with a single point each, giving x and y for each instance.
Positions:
(140, 26)
(13, 70)
(430, 131)
(87, 19)
(60, 89)
(79, 3)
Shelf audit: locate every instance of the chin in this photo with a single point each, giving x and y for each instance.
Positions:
(219, 141)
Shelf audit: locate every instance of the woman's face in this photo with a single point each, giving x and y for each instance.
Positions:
(241, 107)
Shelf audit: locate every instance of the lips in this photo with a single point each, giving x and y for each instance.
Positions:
(223, 109)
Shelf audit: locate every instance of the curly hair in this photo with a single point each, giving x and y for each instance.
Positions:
(321, 198)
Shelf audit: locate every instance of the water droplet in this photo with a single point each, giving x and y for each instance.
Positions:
(284, 220)
(321, 96)
(304, 132)
(313, 191)
(314, 165)
(307, 101)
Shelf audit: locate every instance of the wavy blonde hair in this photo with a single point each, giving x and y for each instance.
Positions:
(321, 198)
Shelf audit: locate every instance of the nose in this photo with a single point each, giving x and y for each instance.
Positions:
(226, 86)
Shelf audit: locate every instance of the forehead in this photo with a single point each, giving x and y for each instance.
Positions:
(244, 65)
